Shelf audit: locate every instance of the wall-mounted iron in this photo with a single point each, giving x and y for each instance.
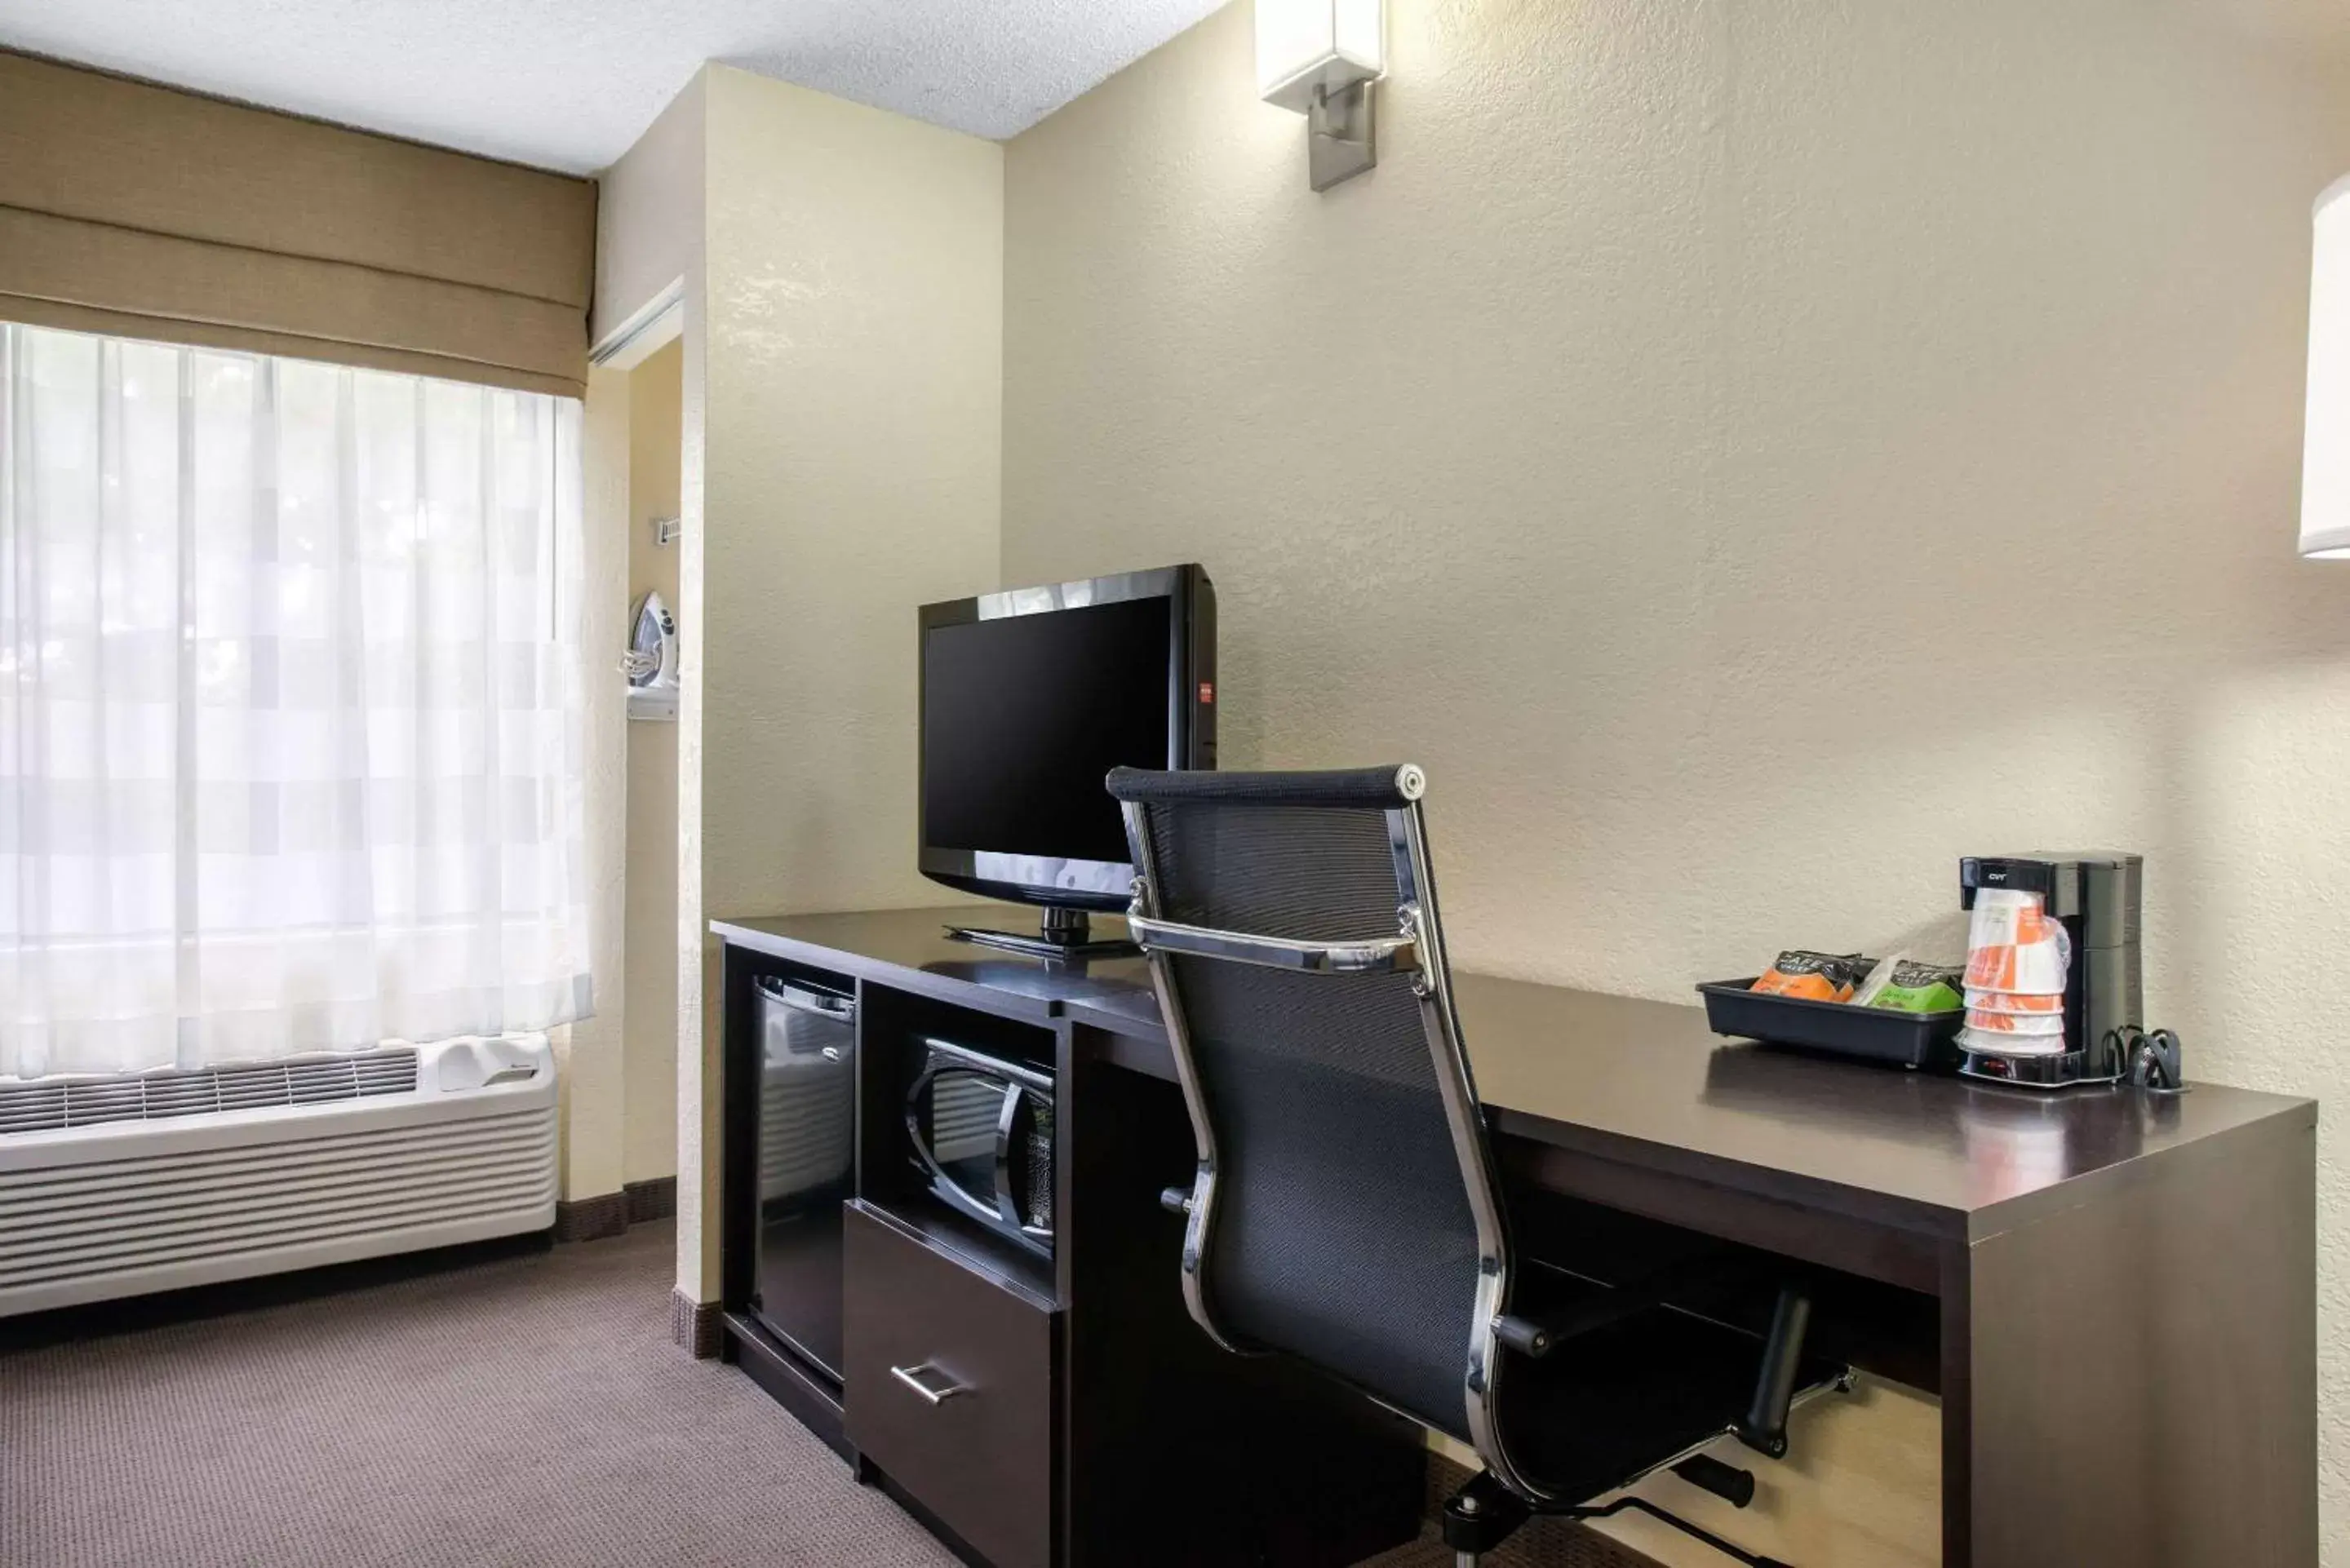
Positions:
(651, 662)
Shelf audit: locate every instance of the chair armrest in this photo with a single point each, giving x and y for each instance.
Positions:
(1535, 1336)
(1379, 955)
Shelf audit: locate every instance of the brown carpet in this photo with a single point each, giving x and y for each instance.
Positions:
(526, 1413)
(530, 1412)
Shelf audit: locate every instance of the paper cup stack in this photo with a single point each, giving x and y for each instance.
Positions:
(2017, 960)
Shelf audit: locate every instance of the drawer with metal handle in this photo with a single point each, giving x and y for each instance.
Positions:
(948, 1387)
(932, 1385)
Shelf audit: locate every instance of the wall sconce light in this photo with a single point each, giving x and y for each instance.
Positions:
(2325, 433)
(1322, 58)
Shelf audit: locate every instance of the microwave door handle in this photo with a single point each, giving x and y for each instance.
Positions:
(919, 1137)
(1009, 1199)
(1007, 1132)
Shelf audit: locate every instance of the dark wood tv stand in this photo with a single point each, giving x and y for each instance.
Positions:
(1099, 1426)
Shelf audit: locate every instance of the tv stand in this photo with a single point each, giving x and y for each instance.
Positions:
(1065, 933)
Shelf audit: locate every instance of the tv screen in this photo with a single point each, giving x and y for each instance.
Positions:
(1027, 714)
(1029, 699)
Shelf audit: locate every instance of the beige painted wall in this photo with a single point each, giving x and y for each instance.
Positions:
(650, 231)
(1751, 455)
(657, 390)
(589, 1068)
(855, 384)
(850, 464)
(648, 215)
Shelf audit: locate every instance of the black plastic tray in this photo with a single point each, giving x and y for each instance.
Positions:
(1912, 1040)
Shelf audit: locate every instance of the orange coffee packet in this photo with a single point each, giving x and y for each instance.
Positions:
(1817, 977)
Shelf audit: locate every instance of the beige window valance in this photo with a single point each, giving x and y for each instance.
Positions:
(134, 209)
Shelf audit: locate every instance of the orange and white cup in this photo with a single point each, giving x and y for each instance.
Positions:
(2024, 1023)
(1982, 1044)
(2014, 946)
(2013, 1001)
(2029, 968)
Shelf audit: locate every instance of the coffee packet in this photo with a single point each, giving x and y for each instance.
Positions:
(1907, 985)
(1816, 977)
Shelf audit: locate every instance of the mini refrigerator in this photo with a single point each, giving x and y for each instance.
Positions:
(807, 1142)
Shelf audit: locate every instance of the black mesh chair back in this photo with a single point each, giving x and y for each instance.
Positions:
(1344, 1208)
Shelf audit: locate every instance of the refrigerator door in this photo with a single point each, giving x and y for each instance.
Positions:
(807, 1120)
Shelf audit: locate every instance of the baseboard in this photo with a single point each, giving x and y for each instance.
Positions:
(591, 1218)
(654, 1199)
(610, 1214)
(694, 1325)
(1539, 1542)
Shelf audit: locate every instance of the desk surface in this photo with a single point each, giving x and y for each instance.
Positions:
(1640, 1081)
(2119, 1289)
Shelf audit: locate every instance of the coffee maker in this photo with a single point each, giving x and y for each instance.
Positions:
(2096, 896)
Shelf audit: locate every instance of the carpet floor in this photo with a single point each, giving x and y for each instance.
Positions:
(524, 1413)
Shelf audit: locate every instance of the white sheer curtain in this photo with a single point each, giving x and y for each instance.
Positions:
(290, 747)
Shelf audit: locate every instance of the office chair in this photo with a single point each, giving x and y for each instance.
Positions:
(1345, 1210)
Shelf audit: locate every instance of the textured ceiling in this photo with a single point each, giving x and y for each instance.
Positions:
(569, 84)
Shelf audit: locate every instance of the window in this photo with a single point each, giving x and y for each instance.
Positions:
(290, 741)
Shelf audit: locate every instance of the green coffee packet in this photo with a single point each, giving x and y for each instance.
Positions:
(1914, 987)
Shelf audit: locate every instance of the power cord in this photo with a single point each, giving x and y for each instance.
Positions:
(2157, 1059)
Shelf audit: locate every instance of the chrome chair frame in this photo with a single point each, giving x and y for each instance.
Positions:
(1418, 949)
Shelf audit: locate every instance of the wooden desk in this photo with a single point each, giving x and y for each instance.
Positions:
(2123, 1286)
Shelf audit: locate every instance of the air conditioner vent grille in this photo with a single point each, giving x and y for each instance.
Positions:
(156, 1096)
(35, 1107)
(163, 1180)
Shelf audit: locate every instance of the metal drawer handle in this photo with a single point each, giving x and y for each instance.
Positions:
(911, 1377)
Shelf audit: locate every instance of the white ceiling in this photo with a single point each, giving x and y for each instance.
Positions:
(569, 84)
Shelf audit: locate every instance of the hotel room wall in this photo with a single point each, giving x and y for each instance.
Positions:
(655, 434)
(650, 221)
(588, 1054)
(851, 470)
(1750, 456)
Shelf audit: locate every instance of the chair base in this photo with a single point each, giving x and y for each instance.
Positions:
(1480, 1516)
(1485, 1513)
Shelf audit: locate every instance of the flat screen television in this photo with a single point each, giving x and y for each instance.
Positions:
(1029, 698)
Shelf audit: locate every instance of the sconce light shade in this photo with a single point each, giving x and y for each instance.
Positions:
(2325, 433)
(1307, 49)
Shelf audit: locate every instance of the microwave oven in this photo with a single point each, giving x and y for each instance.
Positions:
(980, 1128)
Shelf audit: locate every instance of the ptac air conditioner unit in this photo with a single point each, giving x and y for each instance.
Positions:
(119, 1186)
